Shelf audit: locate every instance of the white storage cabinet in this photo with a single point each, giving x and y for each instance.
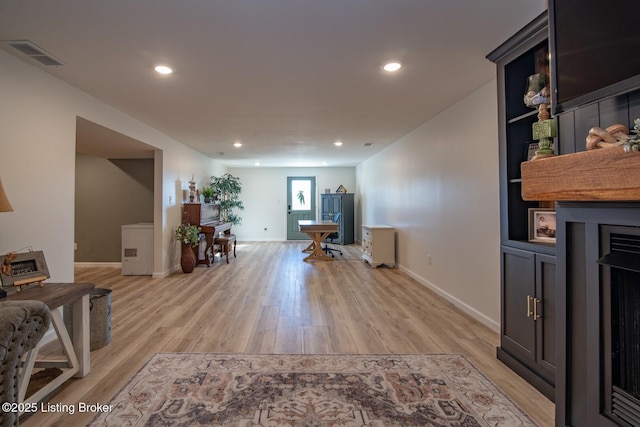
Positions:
(379, 245)
(137, 249)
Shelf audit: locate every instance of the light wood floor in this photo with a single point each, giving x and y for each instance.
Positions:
(267, 300)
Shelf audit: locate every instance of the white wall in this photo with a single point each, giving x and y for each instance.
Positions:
(37, 162)
(110, 193)
(264, 194)
(439, 186)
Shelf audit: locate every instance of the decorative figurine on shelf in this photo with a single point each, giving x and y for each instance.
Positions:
(537, 96)
(537, 91)
(192, 190)
(613, 136)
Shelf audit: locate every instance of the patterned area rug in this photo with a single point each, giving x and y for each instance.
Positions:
(206, 389)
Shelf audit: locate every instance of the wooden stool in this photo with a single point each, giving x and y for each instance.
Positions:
(225, 241)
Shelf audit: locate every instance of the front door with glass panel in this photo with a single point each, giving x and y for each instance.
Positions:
(301, 204)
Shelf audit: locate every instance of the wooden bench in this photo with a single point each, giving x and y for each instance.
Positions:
(225, 241)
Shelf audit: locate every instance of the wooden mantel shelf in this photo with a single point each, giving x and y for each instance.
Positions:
(605, 174)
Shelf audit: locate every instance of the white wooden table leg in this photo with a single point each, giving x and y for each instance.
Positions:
(71, 363)
(81, 340)
(27, 369)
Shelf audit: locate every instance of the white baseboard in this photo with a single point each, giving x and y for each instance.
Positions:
(119, 265)
(173, 269)
(98, 264)
(261, 239)
(480, 317)
(162, 275)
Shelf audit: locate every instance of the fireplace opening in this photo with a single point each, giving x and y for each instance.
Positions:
(625, 339)
(621, 327)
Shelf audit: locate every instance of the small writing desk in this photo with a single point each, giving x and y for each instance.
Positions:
(318, 231)
(55, 295)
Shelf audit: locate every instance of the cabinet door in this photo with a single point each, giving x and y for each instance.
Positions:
(336, 204)
(518, 291)
(331, 205)
(546, 309)
(324, 206)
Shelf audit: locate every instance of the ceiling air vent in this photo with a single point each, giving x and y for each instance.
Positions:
(33, 51)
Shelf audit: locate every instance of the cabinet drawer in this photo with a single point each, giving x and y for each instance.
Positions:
(367, 245)
(366, 233)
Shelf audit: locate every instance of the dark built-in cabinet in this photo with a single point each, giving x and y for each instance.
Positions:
(528, 324)
(341, 203)
(527, 343)
(534, 341)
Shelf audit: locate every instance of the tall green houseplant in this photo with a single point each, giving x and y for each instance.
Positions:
(228, 189)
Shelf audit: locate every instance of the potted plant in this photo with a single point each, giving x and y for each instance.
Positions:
(633, 142)
(207, 193)
(228, 189)
(187, 234)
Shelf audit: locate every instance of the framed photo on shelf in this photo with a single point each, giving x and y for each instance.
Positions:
(27, 267)
(542, 225)
(530, 149)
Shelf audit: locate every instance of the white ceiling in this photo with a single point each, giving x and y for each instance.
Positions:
(286, 78)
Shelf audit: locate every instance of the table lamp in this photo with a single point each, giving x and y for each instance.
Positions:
(5, 206)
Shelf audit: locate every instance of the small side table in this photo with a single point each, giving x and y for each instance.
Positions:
(224, 241)
(55, 295)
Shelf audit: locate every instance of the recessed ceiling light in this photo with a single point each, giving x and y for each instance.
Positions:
(338, 143)
(392, 66)
(257, 163)
(237, 144)
(163, 69)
